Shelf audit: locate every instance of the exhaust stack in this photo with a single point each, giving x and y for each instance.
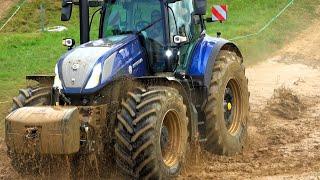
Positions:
(84, 21)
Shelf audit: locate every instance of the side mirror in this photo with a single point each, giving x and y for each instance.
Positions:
(196, 19)
(179, 39)
(66, 10)
(200, 7)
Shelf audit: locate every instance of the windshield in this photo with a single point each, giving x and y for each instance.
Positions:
(132, 16)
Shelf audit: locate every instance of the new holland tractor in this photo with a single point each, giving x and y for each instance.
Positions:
(153, 86)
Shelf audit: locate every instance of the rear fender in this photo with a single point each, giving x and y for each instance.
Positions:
(205, 55)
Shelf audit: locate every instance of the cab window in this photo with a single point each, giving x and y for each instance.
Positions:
(180, 22)
(131, 16)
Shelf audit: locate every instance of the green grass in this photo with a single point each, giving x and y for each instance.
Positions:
(249, 16)
(24, 50)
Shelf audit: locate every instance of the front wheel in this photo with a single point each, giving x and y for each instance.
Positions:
(227, 109)
(151, 135)
(40, 96)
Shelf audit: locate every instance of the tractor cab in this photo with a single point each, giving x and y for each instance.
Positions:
(168, 30)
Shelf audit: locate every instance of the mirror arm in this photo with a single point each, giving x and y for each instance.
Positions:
(209, 20)
(174, 17)
(93, 17)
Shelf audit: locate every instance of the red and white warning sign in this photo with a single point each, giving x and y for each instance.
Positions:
(219, 12)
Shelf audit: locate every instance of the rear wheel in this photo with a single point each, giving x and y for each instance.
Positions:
(151, 135)
(227, 108)
(22, 163)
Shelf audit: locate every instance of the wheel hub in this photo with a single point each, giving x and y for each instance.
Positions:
(164, 139)
(170, 138)
(228, 106)
(232, 106)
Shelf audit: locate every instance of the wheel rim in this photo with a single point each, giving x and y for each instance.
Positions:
(231, 104)
(170, 138)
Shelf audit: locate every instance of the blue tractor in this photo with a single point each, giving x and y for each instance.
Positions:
(151, 87)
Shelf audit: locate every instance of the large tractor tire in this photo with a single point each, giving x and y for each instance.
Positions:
(227, 108)
(29, 164)
(32, 97)
(151, 134)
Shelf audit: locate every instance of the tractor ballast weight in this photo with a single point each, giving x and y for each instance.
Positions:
(153, 83)
(47, 130)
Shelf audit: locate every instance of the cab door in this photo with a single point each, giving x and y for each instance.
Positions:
(180, 22)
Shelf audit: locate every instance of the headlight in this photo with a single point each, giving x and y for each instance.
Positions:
(95, 77)
(108, 66)
(57, 82)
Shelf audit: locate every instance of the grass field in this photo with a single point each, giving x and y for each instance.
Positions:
(24, 50)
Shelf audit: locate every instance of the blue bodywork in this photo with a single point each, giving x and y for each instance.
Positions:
(204, 56)
(130, 60)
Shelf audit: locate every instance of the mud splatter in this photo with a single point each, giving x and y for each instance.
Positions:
(286, 104)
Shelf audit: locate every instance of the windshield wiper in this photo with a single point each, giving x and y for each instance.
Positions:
(150, 25)
(119, 32)
(125, 32)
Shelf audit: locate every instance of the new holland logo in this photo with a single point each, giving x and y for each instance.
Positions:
(75, 66)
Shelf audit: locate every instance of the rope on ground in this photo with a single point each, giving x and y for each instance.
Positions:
(15, 12)
(267, 25)
(4, 102)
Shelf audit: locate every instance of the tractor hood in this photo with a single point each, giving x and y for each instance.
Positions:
(86, 68)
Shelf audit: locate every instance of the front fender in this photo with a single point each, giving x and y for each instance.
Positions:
(43, 80)
(205, 55)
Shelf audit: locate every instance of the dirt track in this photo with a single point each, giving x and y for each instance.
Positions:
(5, 6)
(284, 135)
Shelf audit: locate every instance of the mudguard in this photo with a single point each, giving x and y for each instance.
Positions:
(204, 57)
(41, 79)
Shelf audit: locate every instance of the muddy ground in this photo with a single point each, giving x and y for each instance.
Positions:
(284, 129)
(5, 6)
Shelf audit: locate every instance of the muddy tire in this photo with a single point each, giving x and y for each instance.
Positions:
(151, 134)
(227, 108)
(32, 97)
(29, 164)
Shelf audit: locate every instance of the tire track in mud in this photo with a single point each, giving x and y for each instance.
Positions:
(277, 148)
(6, 172)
